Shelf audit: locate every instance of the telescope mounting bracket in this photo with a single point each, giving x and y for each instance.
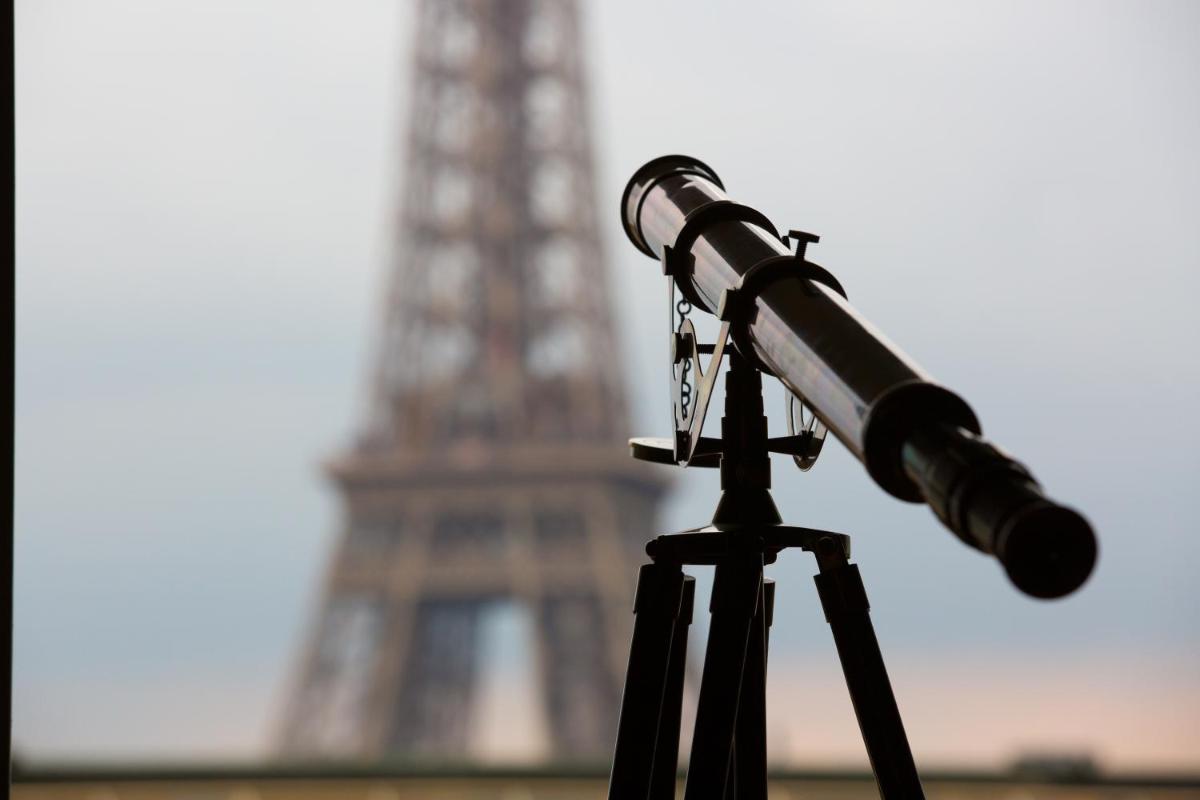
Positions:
(688, 447)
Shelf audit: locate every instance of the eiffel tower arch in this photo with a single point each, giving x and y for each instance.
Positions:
(490, 466)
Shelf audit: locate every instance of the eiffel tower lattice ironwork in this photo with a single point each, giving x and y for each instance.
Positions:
(490, 466)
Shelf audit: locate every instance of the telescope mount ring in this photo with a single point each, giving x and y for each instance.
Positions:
(808, 431)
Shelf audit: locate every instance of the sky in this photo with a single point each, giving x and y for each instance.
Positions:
(205, 195)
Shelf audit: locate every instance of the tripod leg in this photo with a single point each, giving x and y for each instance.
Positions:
(769, 605)
(846, 609)
(750, 743)
(666, 751)
(656, 605)
(734, 599)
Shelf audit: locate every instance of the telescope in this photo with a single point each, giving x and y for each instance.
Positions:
(789, 318)
(783, 315)
(786, 317)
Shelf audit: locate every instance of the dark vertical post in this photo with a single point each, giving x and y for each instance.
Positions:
(734, 599)
(846, 609)
(769, 619)
(6, 414)
(736, 638)
(666, 750)
(750, 743)
(656, 605)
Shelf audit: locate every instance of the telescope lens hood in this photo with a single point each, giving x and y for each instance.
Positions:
(649, 174)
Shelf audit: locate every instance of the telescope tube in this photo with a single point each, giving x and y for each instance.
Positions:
(918, 440)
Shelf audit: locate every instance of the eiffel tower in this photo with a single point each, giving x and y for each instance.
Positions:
(490, 467)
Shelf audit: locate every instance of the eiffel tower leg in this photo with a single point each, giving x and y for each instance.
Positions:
(844, 600)
(433, 714)
(736, 588)
(580, 693)
(656, 606)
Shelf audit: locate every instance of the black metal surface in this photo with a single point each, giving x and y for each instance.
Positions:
(6, 420)
(846, 609)
(736, 586)
(657, 604)
(650, 173)
(710, 545)
(905, 429)
(805, 332)
(750, 741)
(729, 742)
(666, 749)
(992, 503)
(659, 450)
(676, 258)
(745, 460)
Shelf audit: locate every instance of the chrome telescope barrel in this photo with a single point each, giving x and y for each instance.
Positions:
(917, 439)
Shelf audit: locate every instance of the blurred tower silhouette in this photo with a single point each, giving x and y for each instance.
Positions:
(491, 467)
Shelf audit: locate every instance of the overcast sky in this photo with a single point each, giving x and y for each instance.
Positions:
(1009, 190)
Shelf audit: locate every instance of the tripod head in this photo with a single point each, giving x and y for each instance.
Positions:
(788, 317)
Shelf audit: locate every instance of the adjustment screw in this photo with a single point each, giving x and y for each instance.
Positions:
(803, 240)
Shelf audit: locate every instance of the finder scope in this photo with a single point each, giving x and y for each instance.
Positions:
(917, 439)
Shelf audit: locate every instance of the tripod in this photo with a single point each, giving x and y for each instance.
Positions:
(729, 743)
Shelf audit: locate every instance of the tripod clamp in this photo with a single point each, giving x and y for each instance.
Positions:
(711, 545)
